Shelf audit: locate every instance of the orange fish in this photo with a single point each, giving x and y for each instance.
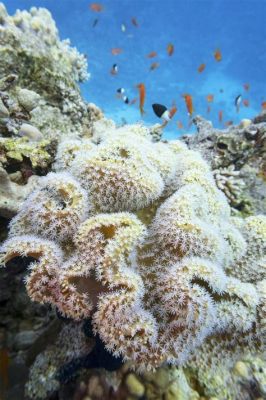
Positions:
(210, 98)
(152, 54)
(263, 105)
(201, 68)
(154, 66)
(172, 110)
(180, 125)
(134, 22)
(246, 102)
(217, 55)
(96, 7)
(170, 49)
(169, 116)
(4, 363)
(228, 123)
(220, 116)
(208, 109)
(246, 86)
(142, 94)
(189, 103)
(116, 50)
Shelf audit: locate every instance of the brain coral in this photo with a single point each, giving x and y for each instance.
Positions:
(158, 264)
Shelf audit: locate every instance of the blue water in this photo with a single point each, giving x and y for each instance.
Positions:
(195, 27)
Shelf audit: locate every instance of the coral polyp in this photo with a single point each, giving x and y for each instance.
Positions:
(136, 236)
(60, 205)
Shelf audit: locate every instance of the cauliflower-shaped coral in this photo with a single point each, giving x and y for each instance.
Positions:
(118, 175)
(160, 266)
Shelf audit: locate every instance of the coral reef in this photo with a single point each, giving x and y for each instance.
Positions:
(128, 247)
(156, 290)
(30, 47)
(237, 155)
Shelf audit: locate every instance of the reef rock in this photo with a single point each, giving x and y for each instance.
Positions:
(237, 155)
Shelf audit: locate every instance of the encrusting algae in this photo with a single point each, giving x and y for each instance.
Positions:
(129, 239)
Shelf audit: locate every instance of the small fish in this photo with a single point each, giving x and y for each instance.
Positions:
(159, 110)
(123, 27)
(228, 123)
(201, 68)
(162, 112)
(142, 94)
(116, 50)
(95, 22)
(152, 54)
(208, 109)
(180, 125)
(246, 102)
(217, 55)
(133, 101)
(97, 7)
(120, 90)
(154, 66)
(238, 100)
(126, 99)
(263, 105)
(114, 69)
(170, 49)
(221, 90)
(134, 22)
(189, 103)
(246, 86)
(220, 116)
(210, 98)
(172, 110)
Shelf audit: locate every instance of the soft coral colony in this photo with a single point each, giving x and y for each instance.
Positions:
(136, 236)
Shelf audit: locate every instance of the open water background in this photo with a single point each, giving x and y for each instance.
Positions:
(195, 27)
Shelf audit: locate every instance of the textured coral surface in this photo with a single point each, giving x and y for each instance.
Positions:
(157, 288)
(131, 246)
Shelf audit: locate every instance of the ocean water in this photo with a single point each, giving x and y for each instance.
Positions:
(196, 28)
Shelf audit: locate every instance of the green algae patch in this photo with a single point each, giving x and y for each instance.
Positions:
(20, 148)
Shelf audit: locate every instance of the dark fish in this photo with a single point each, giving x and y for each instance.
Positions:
(114, 69)
(162, 112)
(126, 99)
(121, 90)
(238, 100)
(159, 109)
(95, 22)
(134, 22)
